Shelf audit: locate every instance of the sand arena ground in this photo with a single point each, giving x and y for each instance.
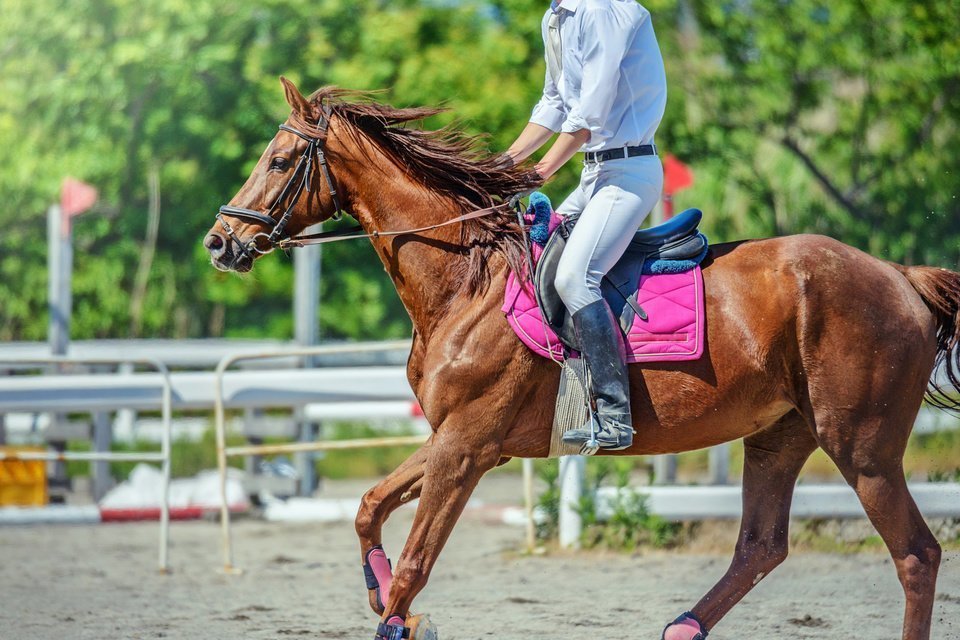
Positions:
(100, 582)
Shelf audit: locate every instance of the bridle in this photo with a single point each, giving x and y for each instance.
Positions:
(299, 182)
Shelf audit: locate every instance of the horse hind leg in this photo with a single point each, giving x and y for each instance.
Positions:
(870, 460)
(772, 461)
(915, 550)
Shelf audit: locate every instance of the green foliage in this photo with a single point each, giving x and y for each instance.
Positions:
(936, 454)
(838, 118)
(939, 475)
(828, 536)
(549, 501)
(362, 463)
(630, 524)
(187, 457)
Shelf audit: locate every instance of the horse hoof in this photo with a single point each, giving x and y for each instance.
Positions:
(421, 627)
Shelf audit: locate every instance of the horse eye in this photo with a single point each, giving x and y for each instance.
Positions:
(279, 164)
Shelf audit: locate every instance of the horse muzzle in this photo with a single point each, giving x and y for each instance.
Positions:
(226, 254)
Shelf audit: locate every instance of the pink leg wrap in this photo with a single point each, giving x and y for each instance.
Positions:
(396, 620)
(377, 560)
(686, 629)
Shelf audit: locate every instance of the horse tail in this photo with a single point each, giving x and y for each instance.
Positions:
(940, 290)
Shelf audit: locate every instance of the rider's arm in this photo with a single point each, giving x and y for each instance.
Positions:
(531, 138)
(566, 146)
(604, 43)
(547, 118)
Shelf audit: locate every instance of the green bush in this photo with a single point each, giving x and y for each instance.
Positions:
(549, 501)
(630, 525)
(362, 463)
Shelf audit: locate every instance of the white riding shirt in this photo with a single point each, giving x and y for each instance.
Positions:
(612, 81)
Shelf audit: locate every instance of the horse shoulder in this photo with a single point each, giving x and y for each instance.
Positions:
(470, 354)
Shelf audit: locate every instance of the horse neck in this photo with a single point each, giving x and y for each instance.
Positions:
(425, 268)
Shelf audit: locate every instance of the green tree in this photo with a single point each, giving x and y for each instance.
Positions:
(797, 115)
(839, 118)
(111, 90)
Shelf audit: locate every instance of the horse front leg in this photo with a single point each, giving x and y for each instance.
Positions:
(400, 487)
(455, 463)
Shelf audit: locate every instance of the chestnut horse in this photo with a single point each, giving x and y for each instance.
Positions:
(810, 343)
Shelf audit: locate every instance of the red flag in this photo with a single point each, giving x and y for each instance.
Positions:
(676, 175)
(76, 197)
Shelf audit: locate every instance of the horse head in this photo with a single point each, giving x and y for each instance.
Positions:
(290, 189)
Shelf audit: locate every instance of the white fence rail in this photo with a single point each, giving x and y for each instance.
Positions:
(198, 390)
(161, 396)
(324, 393)
(191, 354)
(833, 501)
(364, 386)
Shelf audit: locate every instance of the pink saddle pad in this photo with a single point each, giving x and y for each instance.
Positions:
(673, 331)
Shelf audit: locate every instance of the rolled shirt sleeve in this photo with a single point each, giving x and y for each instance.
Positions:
(549, 112)
(603, 47)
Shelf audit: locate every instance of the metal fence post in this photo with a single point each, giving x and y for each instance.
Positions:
(102, 481)
(572, 473)
(529, 505)
(305, 461)
(720, 464)
(306, 310)
(665, 469)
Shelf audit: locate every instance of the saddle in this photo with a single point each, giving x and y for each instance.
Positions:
(677, 240)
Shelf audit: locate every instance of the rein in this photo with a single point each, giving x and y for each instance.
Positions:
(351, 233)
(299, 182)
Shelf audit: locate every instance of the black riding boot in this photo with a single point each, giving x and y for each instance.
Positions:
(602, 350)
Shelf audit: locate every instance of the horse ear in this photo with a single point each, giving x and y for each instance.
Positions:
(295, 99)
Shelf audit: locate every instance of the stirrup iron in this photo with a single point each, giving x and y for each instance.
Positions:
(591, 446)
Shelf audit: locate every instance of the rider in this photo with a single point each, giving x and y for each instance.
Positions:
(605, 93)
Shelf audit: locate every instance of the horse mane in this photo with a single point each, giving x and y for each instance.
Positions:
(447, 162)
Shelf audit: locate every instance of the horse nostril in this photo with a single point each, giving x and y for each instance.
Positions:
(214, 243)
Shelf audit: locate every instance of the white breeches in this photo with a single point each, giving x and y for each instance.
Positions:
(613, 199)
